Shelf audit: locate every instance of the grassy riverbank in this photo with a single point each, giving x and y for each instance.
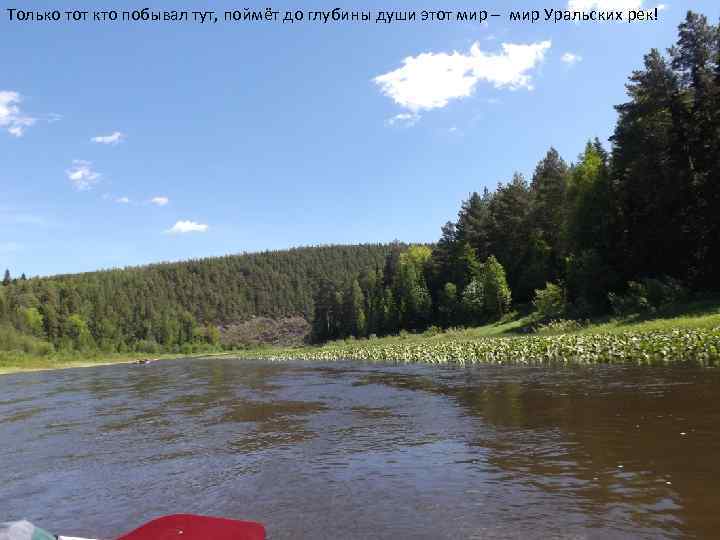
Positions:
(687, 333)
(683, 333)
(12, 362)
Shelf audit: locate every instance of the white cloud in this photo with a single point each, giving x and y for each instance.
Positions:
(182, 227)
(11, 117)
(82, 175)
(662, 7)
(122, 200)
(160, 201)
(431, 80)
(114, 138)
(620, 5)
(403, 119)
(571, 58)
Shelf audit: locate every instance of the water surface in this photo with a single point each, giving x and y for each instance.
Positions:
(355, 451)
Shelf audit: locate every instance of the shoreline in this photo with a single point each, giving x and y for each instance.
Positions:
(670, 347)
(686, 333)
(48, 365)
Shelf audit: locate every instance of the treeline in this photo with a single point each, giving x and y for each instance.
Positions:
(174, 306)
(617, 229)
(403, 296)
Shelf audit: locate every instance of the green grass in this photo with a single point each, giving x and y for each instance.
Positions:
(683, 333)
(701, 314)
(12, 361)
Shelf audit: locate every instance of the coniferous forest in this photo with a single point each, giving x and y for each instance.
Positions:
(170, 307)
(620, 229)
(624, 227)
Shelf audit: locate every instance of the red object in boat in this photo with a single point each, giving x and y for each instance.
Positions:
(190, 527)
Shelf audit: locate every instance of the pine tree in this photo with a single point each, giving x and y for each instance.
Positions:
(7, 279)
(651, 176)
(472, 224)
(391, 319)
(509, 229)
(548, 187)
(354, 322)
(694, 61)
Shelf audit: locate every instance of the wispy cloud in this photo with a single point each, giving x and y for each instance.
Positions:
(571, 58)
(182, 227)
(82, 175)
(620, 5)
(160, 201)
(114, 138)
(122, 200)
(12, 119)
(431, 80)
(403, 119)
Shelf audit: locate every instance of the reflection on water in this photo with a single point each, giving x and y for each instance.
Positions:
(366, 451)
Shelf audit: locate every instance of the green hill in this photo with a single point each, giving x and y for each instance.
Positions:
(164, 306)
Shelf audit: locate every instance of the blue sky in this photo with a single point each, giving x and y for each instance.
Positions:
(122, 144)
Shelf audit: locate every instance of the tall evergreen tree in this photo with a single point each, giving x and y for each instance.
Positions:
(473, 220)
(548, 187)
(650, 175)
(509, 229)
(354, 321)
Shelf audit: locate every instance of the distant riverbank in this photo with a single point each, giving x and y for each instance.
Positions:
(689, 333)
(682, 333)
(13, 362)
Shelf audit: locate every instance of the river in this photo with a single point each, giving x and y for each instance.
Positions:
(359, 451)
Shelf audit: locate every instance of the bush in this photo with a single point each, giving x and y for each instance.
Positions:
(550, 302)
(496, 293)
(665, 291)
(432, 331)
(448, 303)
(648, 295)
(12, 340)
(559, 326)
(147, 346)
(473, 301)
(588, 278)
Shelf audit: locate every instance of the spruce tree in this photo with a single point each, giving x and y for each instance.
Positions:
(548, 187)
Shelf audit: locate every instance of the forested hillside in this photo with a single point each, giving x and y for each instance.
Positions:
(628, 229)
(168, 305)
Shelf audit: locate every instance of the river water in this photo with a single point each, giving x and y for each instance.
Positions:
(363, 451)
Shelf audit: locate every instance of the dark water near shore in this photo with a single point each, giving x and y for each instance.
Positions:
(351, 451)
